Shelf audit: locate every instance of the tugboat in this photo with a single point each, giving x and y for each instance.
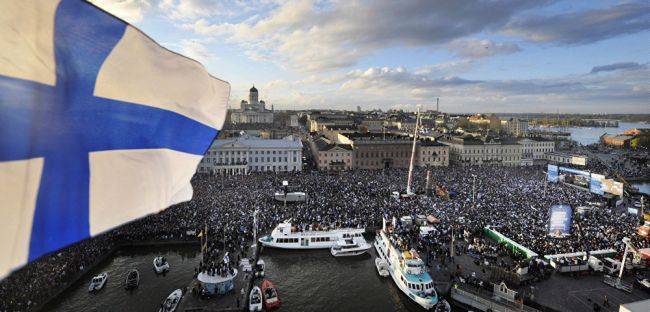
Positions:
(286, 236)
(98, 282)
(160, 264)
(405, 267)
(171, 303)
(270, 293)
(350, 247)
(255, 300)
(132, 279)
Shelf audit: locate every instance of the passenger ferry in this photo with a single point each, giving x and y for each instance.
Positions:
(285, 236)
(406, 268)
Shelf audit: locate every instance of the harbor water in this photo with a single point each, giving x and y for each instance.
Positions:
(309, 280)
(591, 135)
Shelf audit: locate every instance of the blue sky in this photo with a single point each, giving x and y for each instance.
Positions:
(476, 55)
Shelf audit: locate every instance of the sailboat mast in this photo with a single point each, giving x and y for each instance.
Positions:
(415, 136)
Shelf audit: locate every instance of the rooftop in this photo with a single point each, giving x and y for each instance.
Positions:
(252, 142)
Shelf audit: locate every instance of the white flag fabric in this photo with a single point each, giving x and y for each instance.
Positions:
(99, 125)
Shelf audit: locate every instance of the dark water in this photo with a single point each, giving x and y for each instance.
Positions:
(306, 281)
(316, 281)
(153, 288)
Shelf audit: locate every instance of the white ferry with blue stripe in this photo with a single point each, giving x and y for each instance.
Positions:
(406, 268)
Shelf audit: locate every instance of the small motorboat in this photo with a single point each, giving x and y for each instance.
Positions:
(270, 295)
(170, 304)
(382, 267)
(350, 247)
(98, 282)
(255, 299)
(259, 268)
(443, 306)
(160, 264)
(132, 279)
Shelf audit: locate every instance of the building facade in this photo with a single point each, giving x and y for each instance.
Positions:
(472, 151)
(535, 148)
(517, 127)
(432, 153)
(380, 151)
(247, 154)
(252, 111)
(330, 156)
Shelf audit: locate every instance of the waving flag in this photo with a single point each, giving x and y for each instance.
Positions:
(99, 125)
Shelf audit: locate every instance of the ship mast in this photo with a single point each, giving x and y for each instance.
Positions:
(415, 136)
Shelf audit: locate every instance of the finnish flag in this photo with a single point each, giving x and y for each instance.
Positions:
(99, 125)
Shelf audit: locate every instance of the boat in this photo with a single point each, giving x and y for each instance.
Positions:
(270, 295)
(132, 279)
(259, 268)
(255, 299)
(98, 282)
(350, 247)
(290, 197)
(382, 267)
(160, 264)
(171, 303)
(443, 306)
(286, 236)
(405, 267)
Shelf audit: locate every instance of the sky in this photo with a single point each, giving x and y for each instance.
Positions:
(488, 56)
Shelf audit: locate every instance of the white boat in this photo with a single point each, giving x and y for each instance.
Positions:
(160, 264)
(382, 267)
(443, 306)
(285, 236)
(290, 197)
(98, 282)
(255, 299)
(171, 303)
(406, 268)
(348, 247)
(132, 279)
(259, 268)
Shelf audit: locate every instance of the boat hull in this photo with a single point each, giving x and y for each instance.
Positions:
(425, 303)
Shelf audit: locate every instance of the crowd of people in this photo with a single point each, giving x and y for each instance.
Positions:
(515, 200)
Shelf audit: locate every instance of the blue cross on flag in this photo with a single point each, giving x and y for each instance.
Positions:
(99, 125)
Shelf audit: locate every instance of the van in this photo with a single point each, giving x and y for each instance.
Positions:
(595, 264)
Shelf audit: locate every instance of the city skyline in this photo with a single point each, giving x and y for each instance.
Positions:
(507, 56)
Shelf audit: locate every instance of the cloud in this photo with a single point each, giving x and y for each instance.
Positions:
(585, 26)
(586, 93)
(311, 35)
(131, 11)
(617, 66)
(196, 49)
(192, 9)
(474, 48)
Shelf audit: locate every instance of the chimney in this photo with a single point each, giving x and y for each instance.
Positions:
(437, 105)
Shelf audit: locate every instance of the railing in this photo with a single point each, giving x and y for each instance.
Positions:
(484, 301)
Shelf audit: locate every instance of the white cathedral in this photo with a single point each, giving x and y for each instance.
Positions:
(253, 111)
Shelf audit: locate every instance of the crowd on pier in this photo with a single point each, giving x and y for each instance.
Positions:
(514, 200)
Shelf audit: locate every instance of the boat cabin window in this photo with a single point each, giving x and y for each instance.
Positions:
(286, 240)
